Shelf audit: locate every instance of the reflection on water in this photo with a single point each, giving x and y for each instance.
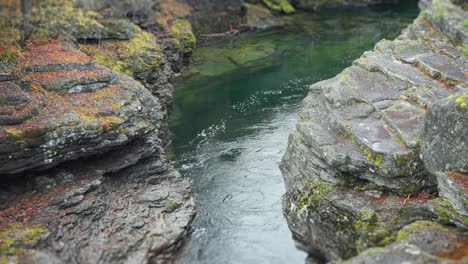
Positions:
(234, 108)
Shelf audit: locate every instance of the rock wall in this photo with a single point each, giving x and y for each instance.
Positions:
(84, 106)
(354, 171)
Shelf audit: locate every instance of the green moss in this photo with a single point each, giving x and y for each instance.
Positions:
(378, 160)
(14, 132)
(368, 215)
(301, 140)
(313, 196)
(460, 100)
(440, 10)
(465, 22)
(104, 58)
(280, 6)
(182, 29)
(445, 212)
(375, 158)
(9, 55)
(17, 235)
(171, 205)
(408, 188)
(413, 228)
(464, 49)
(140, 54)
(383, 237)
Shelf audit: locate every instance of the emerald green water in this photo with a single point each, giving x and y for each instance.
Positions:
(233, 110)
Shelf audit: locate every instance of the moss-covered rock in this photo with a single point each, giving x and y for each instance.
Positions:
(182, 29)
(359, 134)
(280, 6)
(16, 237)
(136, 56)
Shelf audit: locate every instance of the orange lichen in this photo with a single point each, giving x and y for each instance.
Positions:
(415, 197)
(170, 11)
(449, 84)
(52, 53)
(459, 179)
(381, 199)
(26, 207)
(460, 251)
(54, 76)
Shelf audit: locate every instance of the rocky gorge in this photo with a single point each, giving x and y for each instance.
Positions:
(86, 97)
(377, 165)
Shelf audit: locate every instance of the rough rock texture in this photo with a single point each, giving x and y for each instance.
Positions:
(214, 16)
(65, 107)
(145, 59)
(84, 179)
(259, 18)
(352, 169)
(88, 214)
(445, 148)
(416, 244)
(101, 209)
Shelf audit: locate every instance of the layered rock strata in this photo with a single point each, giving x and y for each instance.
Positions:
(354, 170)
(84, 178)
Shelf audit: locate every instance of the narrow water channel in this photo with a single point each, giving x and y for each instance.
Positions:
(234, 108)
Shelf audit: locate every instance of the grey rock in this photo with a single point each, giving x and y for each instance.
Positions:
(445, 148)
(416, 244)
(353, 168)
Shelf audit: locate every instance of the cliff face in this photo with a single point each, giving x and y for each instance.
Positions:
(84, 106)
(354, 170)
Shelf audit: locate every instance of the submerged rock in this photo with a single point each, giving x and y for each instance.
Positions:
(319, 4)
(353, 171)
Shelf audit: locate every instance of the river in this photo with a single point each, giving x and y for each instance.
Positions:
(233, 110)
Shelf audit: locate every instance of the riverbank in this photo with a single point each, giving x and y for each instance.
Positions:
(85, 99)
(369, 168)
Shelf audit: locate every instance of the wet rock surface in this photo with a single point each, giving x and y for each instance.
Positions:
(84, 178)
(90, 214)
(354, 169)
(317, 4)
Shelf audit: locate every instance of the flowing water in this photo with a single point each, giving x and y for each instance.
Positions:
(234, 108)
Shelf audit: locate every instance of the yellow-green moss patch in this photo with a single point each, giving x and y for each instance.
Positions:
(182, 29)
(16, 236)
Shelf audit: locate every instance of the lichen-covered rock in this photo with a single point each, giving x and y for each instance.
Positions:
(79, 110)
(83, 175)
(182, 29)
(148, 60)
(136, 215)
(445, 148)
(279, 5)
(353, 168)
(415, 243)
